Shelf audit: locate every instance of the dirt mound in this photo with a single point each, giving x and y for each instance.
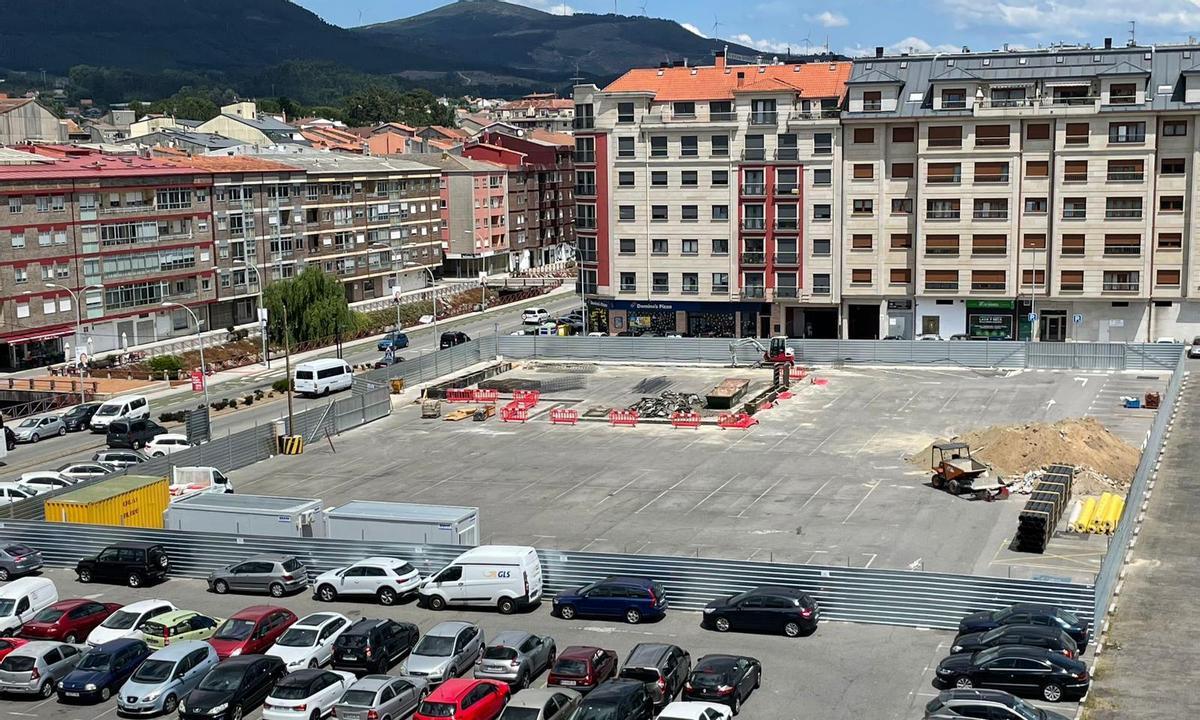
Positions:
(1014, 450)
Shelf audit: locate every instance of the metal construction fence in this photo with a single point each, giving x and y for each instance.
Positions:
(892, 597)
(428, 366)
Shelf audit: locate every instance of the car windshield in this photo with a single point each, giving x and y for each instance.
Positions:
(234, 629)
(1027, 711)
(108, 410)
(118, 428)
(516, 713)
(6, 606)
(95, 661)
(49, 615)
(28, 422)
(153, 671)
(222, 680)
(992, 636)
(298, 637)
(358, 698)
(707, 680)
(290, 692)
(570, 667)
(643, 674)
(17, 663)
(403, 569)
(436, 709)
(121, 620)
(499, 652)
(18, 550)
(157, 629)
(740, 597)
(434, 646)
(1001, 615)
(598, 712)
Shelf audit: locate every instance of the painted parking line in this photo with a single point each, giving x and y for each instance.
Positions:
(637, 477)
(876, 484)
(656, 498)
(714, 492)
(760, 497)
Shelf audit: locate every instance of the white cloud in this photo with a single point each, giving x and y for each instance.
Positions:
(910, 44)
(692, 29)
(1052, 19)
(774, 46)
(550, 6)
(828, 19)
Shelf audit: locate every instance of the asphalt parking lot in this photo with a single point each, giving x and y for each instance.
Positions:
(822, 479)
(842, 672)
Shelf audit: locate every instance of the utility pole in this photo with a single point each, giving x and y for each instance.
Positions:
(287, 363)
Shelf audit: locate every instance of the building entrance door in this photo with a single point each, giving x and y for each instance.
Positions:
(1054, 326)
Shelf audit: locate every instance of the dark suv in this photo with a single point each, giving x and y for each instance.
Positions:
(374, 646)
(625, 699)
(80, 417)
(132, 433)
(451, 338)
(663, 668)
(632, 598)
(769, 608)
(133, 563)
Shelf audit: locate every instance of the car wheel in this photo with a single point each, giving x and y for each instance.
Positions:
(35, 437)
(85, 575)
(792, 629)
(722, 624)
(158, 454)
(326, 593)
(220, 587)
(134, 580)
(4, 574)
(965, 683)
(236, 713)
(70, 639)
(437, 602)
(169, 704)
(276, 590)
(736, 706)
(387, 596)
(633, 616)
(47, 689)
(62, 431)
(506, 606)
(316, 715)
(567, 612)
(1052, 692)
(105, 694)
(312, 663)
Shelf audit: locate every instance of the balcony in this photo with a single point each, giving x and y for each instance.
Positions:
(754, 292)
(822, 113)
(764, 117)
(944, 179)
(1123, 214)
(1071, 287)
(821, 289)
(754, 258)
(126, 209)
(583, 123)
(1069, 214)
(787, 258)
(690, 290)
(754, 224)
(585, 156)
(985, 286)
(585, 190)
(787, 153)
(954, 104)
(989, 179)
(754, 189)
(942, 215)
(787, 224)
(1111, 286)
(660, 289)
(787, 293)
(1132, 176)
(585, 223)
(990, 215)
(1122, 250)
(754, 154)
(787, 189)
(940, 286)
(1088, 102)
(667, 116)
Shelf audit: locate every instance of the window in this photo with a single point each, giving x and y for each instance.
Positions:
(941, 279)
(686, 110)
(1122, 94)
(689, 145)
(690, 247)
(14, 204)
(945, 136)
(1122, 208)
(1170, 241)
(864, 136)
(822, 178)
(1127, 132)
(990, 209)
(863, 207)
(1170, 204)
(864, 171)
(658, 246)
(627, 212)
(720, 146)
(20, 275)
(944, 173)
(624, 178)
(658, 146)
(942, 209)
(43, 203)
(954, 99)
(624, 112)
(902, 171)
(1074, 208)
(1033, 278)
(785, 147)
(1007, 97)
(689, 178)
(720, 212)
(627, 246)
(1173, 166)
(1122, 244)
(658, 178)
(1073, 244)
(720, 246)
(822, 143)
(628, 282)
(720, 178)
(901, 241)
(17, 239)
(720, 282)
(1037, 131)
(1034, 241)
(822, 212)
(1077, 133)
(1037, 168)
(991, 172)
(722, 110)
(899, 276)
(1035, 206)
(941, 245)
(987, 279)
(820, 283)
(22, 310)
(658, 212)
(992, 135)
(860, 276)
(625, 148)
(1071, 281)
(822, 247)
(659, 283)
(691, 283)
(755, 149)
(1174, 128)
(1121, 281)
(1166, 278)
(762, 112)
(690, 212)
(904, 134)
(872, 101)
(989, 245)
(902, 206)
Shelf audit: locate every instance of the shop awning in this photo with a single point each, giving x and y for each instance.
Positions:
(38, 335)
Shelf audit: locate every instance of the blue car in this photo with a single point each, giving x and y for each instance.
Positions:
(393, 341)
(102, 670)
(631, 598)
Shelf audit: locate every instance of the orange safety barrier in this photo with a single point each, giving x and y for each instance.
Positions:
(623, 417)
(685, 419)
(798, 373)
(820, 381)
(741, 421)
(486, 396)
(564, 416)
(786, 395)
(529, 398)
(460, 395)
(514, 412)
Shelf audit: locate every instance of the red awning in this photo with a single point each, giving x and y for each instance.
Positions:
(36, 336)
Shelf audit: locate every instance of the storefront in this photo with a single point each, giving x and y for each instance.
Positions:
(900, 320)
(34, 350)
(693, 319)
(991, 319)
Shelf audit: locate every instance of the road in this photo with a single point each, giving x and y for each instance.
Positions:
(55, 452)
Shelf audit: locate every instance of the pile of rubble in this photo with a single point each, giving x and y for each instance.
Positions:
(667, 403)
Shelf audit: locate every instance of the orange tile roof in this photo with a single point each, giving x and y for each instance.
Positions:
(814, 80)
(449, 132)
(232, 163)
(7, 103)
(332, 139)
(550, 137)
(443, 144)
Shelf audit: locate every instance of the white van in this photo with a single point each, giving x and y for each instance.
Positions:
(23, 598)
(126, 407)
(321, 377)
(506, 577)
(535, 315)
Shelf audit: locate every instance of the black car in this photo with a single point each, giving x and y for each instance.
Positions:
(451, 338)
(1041, 636)
(132, 433)
(133, 563)
(80, 417)
(387, 361)
(236, 685)
(1028, 614)
(10, 439)
(374, 646)
(724, 679)
(663, 668)
(1019, 670)
(625, 699)
(769, 608)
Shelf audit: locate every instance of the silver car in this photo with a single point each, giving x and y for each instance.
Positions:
(446, 651)
(86, 470)
(17, 559)
(274, 574)
(384, 695)
(120, 459)
(516, 657)
(33, 429)
(166, 676)
(539, 704)
(35, 668)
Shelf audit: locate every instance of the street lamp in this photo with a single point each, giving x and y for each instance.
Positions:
(395, 301)
(437, 341)
(261, 324)
(78, 322)
(200, 341)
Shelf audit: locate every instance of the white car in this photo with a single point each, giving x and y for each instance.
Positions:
(695, 711)
(41, 481)
(165, 444)
(125, 622)
(387, 579)
(86, 470)
(308, 643)
(304, 694)
(535, 316)
(11, 492)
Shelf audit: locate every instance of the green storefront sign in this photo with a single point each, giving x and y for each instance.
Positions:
(990, 319)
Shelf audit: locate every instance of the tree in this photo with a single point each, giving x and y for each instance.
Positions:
(187, 104)
(316, 305)
(378, 104)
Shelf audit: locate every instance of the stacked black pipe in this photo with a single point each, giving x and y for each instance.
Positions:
(1044, 509)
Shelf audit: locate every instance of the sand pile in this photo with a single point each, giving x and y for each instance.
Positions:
(1106, 462)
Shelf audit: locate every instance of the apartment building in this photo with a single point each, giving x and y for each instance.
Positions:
(1042, 194)
(541, 193)
(544, 111)
(474, 212)
(706, 196)
(125, 233)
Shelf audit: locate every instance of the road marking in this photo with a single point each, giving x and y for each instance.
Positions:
(93, 596)
(950, 399)
(860, 502)
(869, 562)
(868, 442)
(664, 492)
(577, 485)
(592, 542)
(827, 437)
(814, 554)
(639, 476)
(813, 496)
(714, 492)
(760, 497)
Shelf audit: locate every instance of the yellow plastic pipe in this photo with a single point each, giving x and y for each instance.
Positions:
(1101, 508)
(1114, 514)
(1085, 517)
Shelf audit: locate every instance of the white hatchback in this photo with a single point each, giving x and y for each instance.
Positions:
(304, 694)
(165, 444)
(308, 643)
(535, 316)
(125, 622)
(695, 711)
(387, 579)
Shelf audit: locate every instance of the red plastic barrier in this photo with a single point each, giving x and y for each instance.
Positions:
(685, 419)
(564, 416)
(486, 396)
(623, 417)
(514, 412)
(740, 421)
(798, 373)
(460, 395)
(786, 395)
(820, 381)
(528, 398)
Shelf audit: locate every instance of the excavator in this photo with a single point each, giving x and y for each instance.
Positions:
(776, 353)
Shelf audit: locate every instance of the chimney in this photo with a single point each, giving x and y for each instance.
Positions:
(720, 59)
(662, 65)
(878, 51)
(1108, 43)
(741, 78)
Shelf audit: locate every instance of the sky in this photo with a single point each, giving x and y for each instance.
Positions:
(857, 27)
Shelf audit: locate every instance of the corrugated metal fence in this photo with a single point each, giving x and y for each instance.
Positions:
(893, 597)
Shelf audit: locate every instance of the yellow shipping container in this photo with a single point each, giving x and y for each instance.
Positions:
(125, 501)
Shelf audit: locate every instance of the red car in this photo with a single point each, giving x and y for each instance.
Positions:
(251, 631)
(464, 699)
(68, 621)
(582, 667)
(7, 645)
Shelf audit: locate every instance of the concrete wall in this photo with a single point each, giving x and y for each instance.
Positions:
(31, 122)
